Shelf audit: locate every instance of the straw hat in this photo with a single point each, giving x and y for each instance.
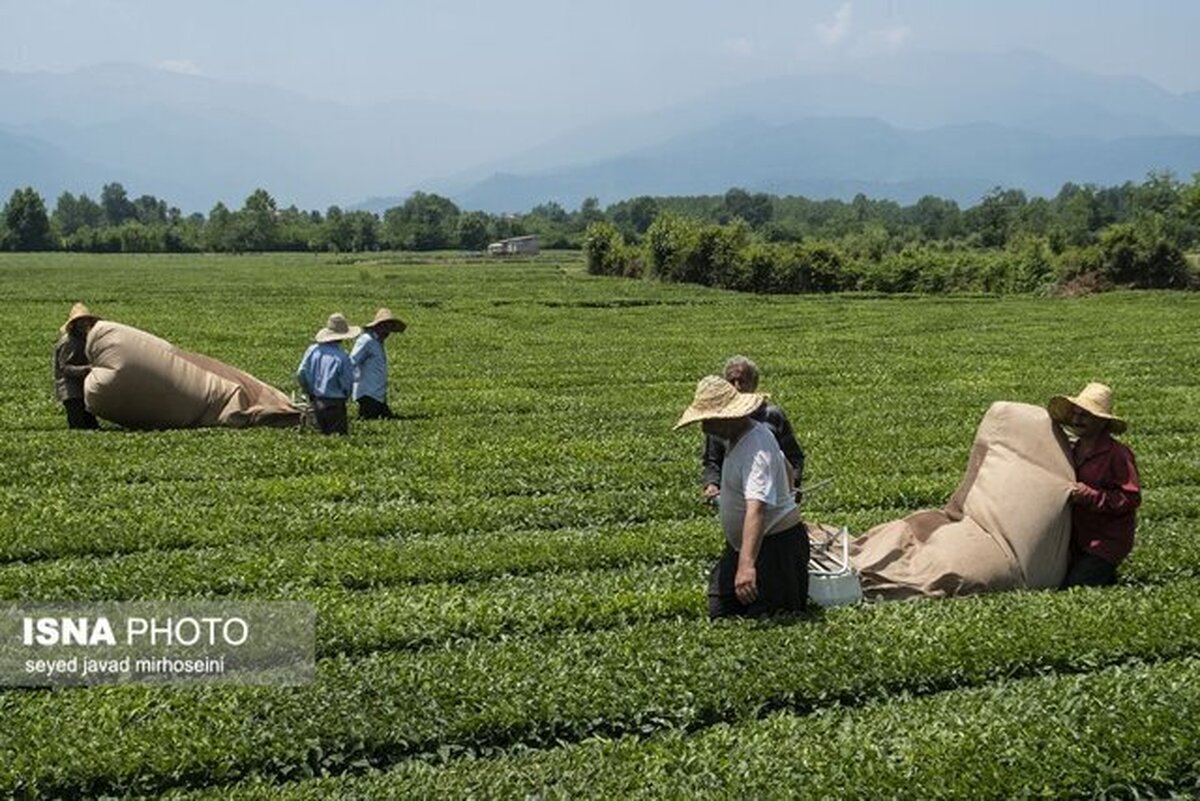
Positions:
(1095, 399)
(716, 398)
(78, 312)
(337, 329)
(385, 317)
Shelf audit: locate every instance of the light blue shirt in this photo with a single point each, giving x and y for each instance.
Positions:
(325, 371)
(370, 367)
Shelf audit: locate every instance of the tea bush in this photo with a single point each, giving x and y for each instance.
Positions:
(510, 579)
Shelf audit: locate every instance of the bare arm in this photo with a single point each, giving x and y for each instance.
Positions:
(745, 583)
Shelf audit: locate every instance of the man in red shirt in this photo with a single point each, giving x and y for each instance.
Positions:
(1107, 491)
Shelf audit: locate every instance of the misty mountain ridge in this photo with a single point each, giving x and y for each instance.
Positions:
(840, 157)
(196, 140)
(952, 125)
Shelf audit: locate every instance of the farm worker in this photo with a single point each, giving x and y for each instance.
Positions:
(327, 376)
(370, 365)
(71, 366)
(1106, 492)
(743, 374)
(764, 565)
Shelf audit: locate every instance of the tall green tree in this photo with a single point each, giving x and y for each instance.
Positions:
(755, 209)
(149, 210)
(26, 223)
(1158, 194)
(936, 218)
(589, 212)
(634, 217)
(1190, 200)
(550, 212)
(255, 225)
(424, 222)
(1077, 214)
(218, 230)
(116, 204)
(364, 230)
(994, 219)
(72, 213)
(474, 230)
(335, 233)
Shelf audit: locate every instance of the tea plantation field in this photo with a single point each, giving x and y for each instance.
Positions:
(509, 580)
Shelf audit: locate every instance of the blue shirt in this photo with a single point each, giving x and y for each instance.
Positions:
(370, 367)
(325, 371)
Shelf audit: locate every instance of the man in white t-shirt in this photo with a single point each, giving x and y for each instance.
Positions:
(764, 567)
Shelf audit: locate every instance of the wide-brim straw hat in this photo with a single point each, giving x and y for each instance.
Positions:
(1095, 399)
(384, 317)
(78, 312)
(337, 329)
(717, 399)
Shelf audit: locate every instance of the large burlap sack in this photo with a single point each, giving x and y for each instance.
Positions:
(141, 381)
(1007, 526)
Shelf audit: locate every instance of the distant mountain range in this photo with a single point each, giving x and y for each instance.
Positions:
(195, 141)
(901, 127)
(837, 157)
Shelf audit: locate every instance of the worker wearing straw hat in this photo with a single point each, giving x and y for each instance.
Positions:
(370, 365)
(71, 366)
(327, 376)
(743, 374)
(1106, 493)
(764, 566)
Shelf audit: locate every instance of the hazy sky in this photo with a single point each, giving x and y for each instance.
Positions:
(575, 58)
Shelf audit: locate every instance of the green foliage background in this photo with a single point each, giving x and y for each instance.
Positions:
(1086, 238)
(509, 580)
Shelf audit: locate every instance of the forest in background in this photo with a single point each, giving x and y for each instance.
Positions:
(1084, 238)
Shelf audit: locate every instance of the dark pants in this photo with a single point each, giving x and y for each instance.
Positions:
(78, 416)
(782, 577)
(1089, 570)
(331, 415)
(371, 409)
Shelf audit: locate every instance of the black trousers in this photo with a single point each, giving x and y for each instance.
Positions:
(782, 577)
(78, 416)
(1089, 570)
(331, 415)
(371, 409)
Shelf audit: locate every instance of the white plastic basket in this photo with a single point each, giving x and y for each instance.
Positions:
(834, 583)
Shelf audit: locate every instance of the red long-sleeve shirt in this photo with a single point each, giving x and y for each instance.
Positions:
(1103, 519)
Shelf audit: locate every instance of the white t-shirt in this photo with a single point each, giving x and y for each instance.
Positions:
(754, 469)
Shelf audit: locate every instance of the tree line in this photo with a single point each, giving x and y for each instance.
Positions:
(116, 223)
(1084, 239)
(1134, 234)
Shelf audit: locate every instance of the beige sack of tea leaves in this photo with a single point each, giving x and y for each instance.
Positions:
(141, 381)
(1007, 526)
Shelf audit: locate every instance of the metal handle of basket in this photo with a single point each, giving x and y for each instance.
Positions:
(843, 568)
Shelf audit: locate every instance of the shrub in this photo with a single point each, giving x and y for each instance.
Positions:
(757, 270)
(605, 249)
(669, 241)
(713, 260)
(1142, 255)
(898, 272)
(822, 269)
(1032, 264)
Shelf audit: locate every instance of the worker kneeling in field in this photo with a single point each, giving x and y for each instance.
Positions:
(763, 568)
(1106, 493)
(371, 366)
(71, 367)
(327, 376)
